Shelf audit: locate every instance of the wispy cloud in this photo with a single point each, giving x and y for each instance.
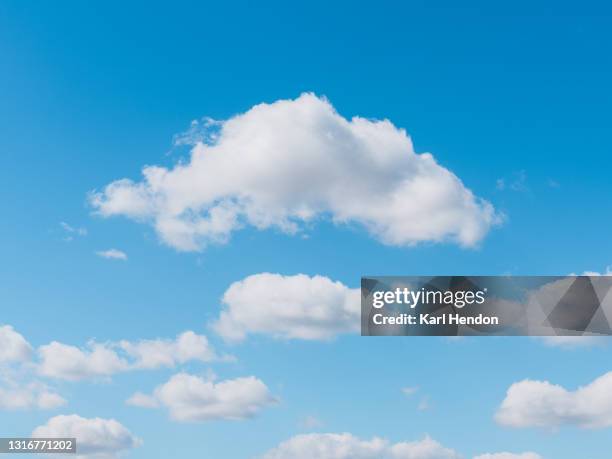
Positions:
(410, 390)
(527, 455)
(517, 182)
(112, 254)
(70, 232)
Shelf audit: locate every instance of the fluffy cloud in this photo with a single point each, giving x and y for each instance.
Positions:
(294, 161)
(297, 306)
(96, 438)
(168, 353)
(13, 346)
(102, 360)
(29, 396)
(542, 404)
(142, 401)
(347, 446)
(191, 398)
(509, 456)
(112, 254)
(18, 389)
(71, 363)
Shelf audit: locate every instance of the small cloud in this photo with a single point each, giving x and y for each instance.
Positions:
(70, 232)
(71, 229)
(411, 390)
(191, 398)
(112, 254)
(553, 183)
(518, 182)
(28, 396)
(607, 272)
(142, 401)
(13, 346)
(527, 455)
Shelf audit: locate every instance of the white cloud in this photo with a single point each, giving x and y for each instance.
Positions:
(49, 400)
(71, 231)
(112, 254)
(517, 182)
(531, 403)
(528, 455)
(158, 353)
(299, 307)
(96, 438)
(71, 363)
(13, 346)
(142, 401)
(33, 395)
(191, 398)
(102, 360)
(607, 272)
(410, 390)
(347, 446)
(283, 164)
(18, 390)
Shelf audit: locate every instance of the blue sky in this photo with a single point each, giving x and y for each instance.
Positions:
(512, 99)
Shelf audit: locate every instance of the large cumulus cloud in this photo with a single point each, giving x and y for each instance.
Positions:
(283, 164)
(532, 403)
